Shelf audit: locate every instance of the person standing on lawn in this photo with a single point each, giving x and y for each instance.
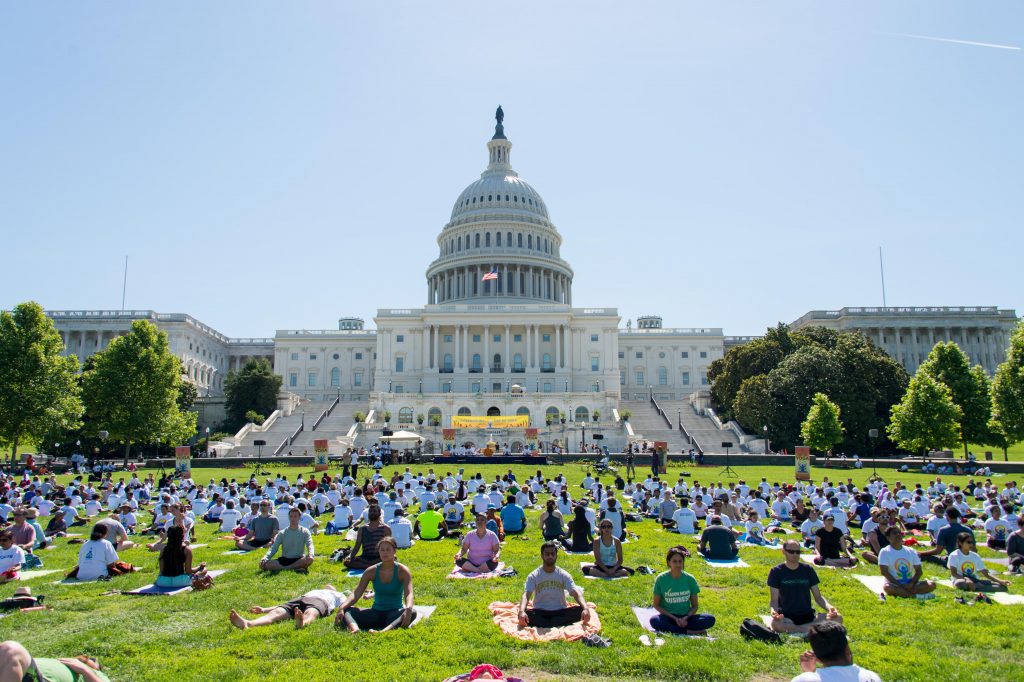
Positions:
(793, 584)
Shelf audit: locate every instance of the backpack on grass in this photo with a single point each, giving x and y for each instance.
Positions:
(754, 629)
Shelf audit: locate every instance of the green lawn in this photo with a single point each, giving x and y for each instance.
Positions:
(189, 638)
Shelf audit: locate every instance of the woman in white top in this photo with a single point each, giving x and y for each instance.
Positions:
(96, 556)
(969, 571)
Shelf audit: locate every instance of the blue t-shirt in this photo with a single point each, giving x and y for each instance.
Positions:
(513, 518)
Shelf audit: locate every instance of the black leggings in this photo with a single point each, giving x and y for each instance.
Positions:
(1016, 560)
(372, 619)
(539, 618)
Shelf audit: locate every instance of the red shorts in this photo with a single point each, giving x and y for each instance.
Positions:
(11, 574)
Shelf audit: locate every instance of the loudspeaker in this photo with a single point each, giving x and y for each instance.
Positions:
(259, 442)
(726, 444)
(598, 436)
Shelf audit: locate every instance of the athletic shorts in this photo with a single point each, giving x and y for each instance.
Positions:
(802, 618)
(285, 561)
(303, 603)
(261, 543)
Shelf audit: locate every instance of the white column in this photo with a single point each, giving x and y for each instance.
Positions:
(487, 349)
(899, 350)
(458, 348)
(508, 359)
(465, 345)
(529, 346)
(558, 346)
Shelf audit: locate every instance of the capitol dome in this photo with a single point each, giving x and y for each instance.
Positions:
(499, 228)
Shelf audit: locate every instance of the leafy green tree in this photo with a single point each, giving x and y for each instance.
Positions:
(133, 389)
(1008, 393)
(968, 387)
(254, 417)
(756, 358)
(927, 417)
(754, 404)
(254, 388)
(822, 429)
(38, 389)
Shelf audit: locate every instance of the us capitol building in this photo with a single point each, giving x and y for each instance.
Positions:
(499, 335)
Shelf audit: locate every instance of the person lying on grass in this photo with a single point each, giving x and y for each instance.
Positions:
(480, 549)
(901, 567)
(393, 605)
(296, 545)
(16, 664)
(302, 610)
(607, 554)
(367, 538)
(831, 649)
(792, 585)
(832, 546)
(675, 598)
(262, 529)
(547, 586)
(176, 561)
(969, 571)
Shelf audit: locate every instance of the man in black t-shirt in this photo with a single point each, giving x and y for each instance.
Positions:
(831, 547)
(793, 585)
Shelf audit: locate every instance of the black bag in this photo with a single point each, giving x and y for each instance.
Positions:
(755, 629)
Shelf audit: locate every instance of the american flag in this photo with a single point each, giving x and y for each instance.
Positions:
(493, 274)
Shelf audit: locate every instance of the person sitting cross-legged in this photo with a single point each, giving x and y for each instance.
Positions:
(176, 561)
(551, 523)
(607, 554)
(547, 586)
(393, 605)
(830, 648)
(901, 568)
(717, 543)
(430, 524)
(792, 585)
(675, 598)
(480, 549)
(367, 538)
(302, 610)
(831, 546)
(262, 529)
(296, 545)
(969, 571)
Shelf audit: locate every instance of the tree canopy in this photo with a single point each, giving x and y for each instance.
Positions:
(133, 390)
(38, 388)
(1008, 393)
(253, 388)
(968, 387)
(822, 429)
(772, 381)
(926, 417)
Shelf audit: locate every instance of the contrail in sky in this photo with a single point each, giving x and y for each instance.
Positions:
(960, 42)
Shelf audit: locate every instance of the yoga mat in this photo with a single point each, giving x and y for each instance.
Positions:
(644, 614)
(598, 577)
(506, 617)
(422, 613)
(458, 574)
(236, 552)
(735, 563)
(355, 572)
(153, 590)
(997, 597)
(874, 583)
(36, 573)
(196, 546)
(809, 560)
(767, 620)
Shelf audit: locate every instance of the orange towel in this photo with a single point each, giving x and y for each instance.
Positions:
(506, 615)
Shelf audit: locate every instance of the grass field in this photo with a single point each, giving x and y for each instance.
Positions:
(188, 637)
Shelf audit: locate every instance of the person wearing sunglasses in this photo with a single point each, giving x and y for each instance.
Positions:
(607, 555)
(969, 571)
(793, 585)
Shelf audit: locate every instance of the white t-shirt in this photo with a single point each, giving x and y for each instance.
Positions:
(342, 516)
(401, 531)
(229, 519)
(899, 563)
(839, 673)
(11, 558)
(93, 559)
(998, 529)
(966, 565)
(685, 520)
(358, 505)
(809, 527)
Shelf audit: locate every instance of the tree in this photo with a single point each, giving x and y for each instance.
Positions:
(133, 389)
(1008, 393)
(254, 388)
(756, 358)
(968, 387)
(927, 417)
(39, 392)
(822, 429)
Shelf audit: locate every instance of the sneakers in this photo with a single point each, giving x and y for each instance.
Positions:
(645, 570)
(983, 598)
(508, 573)
(596, 640)
(925, 597)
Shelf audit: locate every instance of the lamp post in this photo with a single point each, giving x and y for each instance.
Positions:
(765, 429)
(103, 437)
(207, 441)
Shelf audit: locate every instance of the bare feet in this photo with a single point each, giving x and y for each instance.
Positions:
(299, 621)
(238, 621)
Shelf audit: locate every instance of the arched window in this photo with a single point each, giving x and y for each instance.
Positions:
(335, 377)
(464, 412)
(434, 416)
(546, 361)
(520, 240)
(529, 241)
(508, 239)
(523, 412)
(459, 241)
(517, 361)
(476, 361)
(487, 239)
(405, 415)
(447, 361)
(551, 413)
(582, 414)
(493, 411)
(546, 245)
(662, 376)
(497, 238)
(496, 364)
(476, 241)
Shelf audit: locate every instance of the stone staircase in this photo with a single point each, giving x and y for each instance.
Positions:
(650, 425)
(336, 424)
(704, 431)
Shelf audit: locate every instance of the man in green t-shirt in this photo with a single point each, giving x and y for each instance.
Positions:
(675, 598)
(430, 524)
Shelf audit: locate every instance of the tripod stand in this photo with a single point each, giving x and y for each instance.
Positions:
(728, 470)
(259, 458)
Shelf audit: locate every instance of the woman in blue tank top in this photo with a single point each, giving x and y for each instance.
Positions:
(392, 595)
(607, 554)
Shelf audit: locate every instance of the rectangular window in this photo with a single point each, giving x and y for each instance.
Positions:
(357, 379)
(639, 355)
(640, 378)
(399, 338)
(622, 355)
(447, 338)
(399, 364)
(312, 379)
(686, 378)
(703, 378)
(293, 379)
(686, 354)
(399, 388)
(703, 353)
(595, 363)
(312, 356)
(662, 376)
(476, 338)
(593, 338)
(622, 377)
(546, 338)
(295, 356)
(518, 338)
(495, 387)
(497, 338)
(447, 387)
(547, 387)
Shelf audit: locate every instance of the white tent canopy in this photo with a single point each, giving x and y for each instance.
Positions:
(403, 436)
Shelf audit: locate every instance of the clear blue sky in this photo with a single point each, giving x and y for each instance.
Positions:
(277, 165)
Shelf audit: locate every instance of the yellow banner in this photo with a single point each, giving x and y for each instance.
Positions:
(517, 422)
(803, 463)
